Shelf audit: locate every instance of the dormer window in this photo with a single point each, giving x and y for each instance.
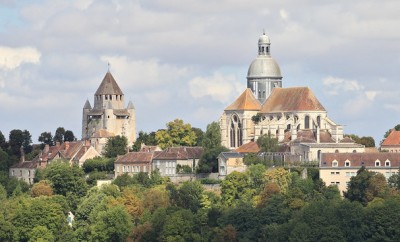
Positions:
(387, 163)
(334, 164)
(347, 164)
(377, 163)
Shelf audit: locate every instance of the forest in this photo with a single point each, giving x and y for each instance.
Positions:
(261, 204)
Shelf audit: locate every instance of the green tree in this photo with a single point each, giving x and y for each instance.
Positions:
(233, 187)
(98, 164)
(177, 134)
(368, 141)
(3, 143)
(358, 186)
(144, 138)
(41, 233)
(69, 136)
(115, 146)
(280, 176)
(267, 143)
(212, 136)
(252, 159)
(66, 180)
(18, 139)
(114, 224)
(199, 134)
(3, 160)
(59, 135)
(46, 138)
(124, 180)
(187, 196)
(397, 128)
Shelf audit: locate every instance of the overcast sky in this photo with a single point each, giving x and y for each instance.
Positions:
(188, 59)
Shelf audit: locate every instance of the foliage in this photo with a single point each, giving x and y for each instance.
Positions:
(368, 141)
(3, 160)
(252, 159)
(212, 136)
(365, 186)
(94, 176)
(234, 188)
(98, 164)
(18, 139)
(124, 180)
(115, 146)
(144, 138)
(256, 118)
(397, 128)
(183, 169)
(267, 143)
(186, 196)
(46, 138)
(69, 136)
(209, 181)
(200, 136)
(42, 188)
(280, 176)
(59, 135)
(177, 134)
(209, 160)
(66, 180)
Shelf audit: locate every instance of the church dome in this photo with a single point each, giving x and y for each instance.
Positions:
(264, 67)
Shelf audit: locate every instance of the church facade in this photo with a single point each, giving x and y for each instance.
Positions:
(292, 115)
(109, 116)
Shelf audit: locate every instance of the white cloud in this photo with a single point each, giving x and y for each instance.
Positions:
(12, 58)
(218, 87)
(337, 85)
(284, 14)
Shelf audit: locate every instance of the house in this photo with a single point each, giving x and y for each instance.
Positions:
(338, 168)
(73, 152)
(229, 162)
(392, 142)
(174, 160)
(133, 163)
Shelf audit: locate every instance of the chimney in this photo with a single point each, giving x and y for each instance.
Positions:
(22, 154)
(57, 144)
(66, 145)
(46, 148)
(87, 142)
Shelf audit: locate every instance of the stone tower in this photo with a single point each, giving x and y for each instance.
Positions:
(264, 73)
(109, 117)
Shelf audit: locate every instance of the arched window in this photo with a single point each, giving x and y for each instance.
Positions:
(236, 132)
(336, 151)
(307, 122)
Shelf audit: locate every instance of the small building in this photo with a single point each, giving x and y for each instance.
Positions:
(133, 163)
(338, 168)
(171, 159)
(392, 142)
(24, 170)
(229, 162)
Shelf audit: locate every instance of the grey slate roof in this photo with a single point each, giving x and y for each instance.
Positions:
(109, 86)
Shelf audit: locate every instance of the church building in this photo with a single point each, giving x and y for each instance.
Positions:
(109, 116)
(293, 115)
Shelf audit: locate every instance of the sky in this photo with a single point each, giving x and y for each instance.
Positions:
(188, 59)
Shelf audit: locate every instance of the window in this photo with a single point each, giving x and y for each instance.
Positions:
(332, 172)
(377, 163)
(387, 163)
(335, 164)
(337, 173)
(347, 164)
(307, 122)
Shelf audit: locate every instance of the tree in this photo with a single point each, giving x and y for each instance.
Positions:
(144, 138)
(69, 136)
(40, 233)
(368, 141)
(18, 139)
(212, 148)
(397, 128)
(252, 159)
(177, 134)
(42, 188)
(66, 180)
(199, 134)
(3, 160)
(3, 143)
(115, 146)
(267, 143)
(187, 196)
(59, 135)
(46, 138)
(98, 164)
(280, 176)
(233, 187)
(358, 189)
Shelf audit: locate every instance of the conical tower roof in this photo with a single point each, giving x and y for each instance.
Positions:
(87, 105)
(109, 86)
(246, 101)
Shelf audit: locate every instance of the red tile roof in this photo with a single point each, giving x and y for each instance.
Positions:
(179, 153)
(135, 157)
(246, 101)
(360, 159)
(392, 139)
(251, 147)
(291, 99)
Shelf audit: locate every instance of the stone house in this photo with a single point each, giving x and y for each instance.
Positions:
(338, 168)
(133, 163)
(229, 162)
(168, 160)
